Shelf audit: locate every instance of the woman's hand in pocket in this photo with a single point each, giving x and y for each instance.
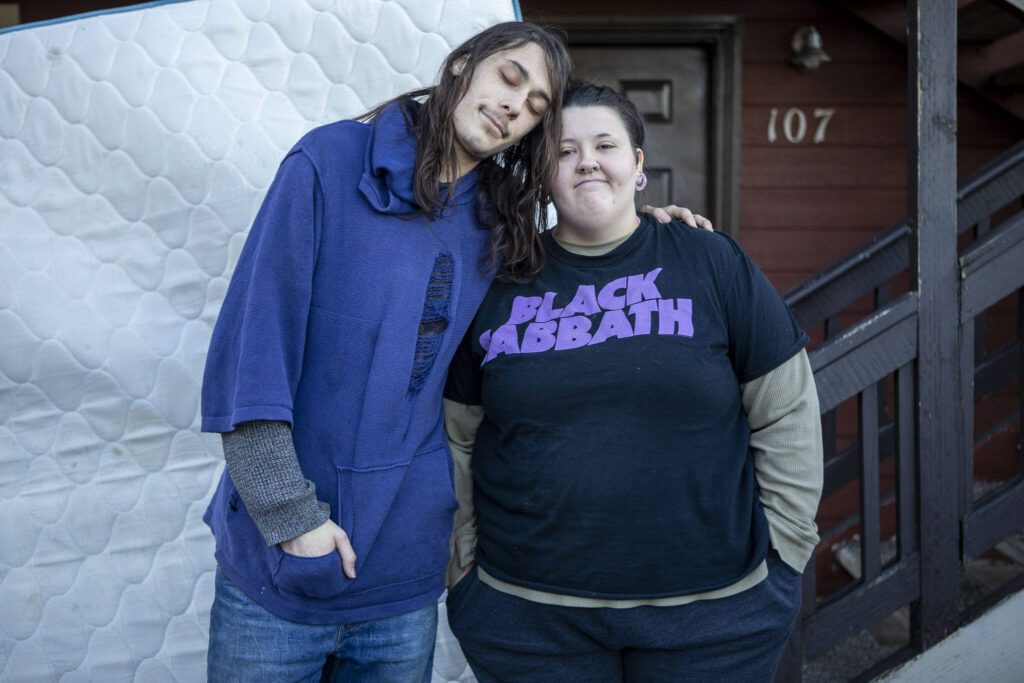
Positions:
(461, 575)
(325, 538)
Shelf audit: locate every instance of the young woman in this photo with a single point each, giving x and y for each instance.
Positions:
(638, 427)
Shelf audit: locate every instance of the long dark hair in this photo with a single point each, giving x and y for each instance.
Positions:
(513, 185)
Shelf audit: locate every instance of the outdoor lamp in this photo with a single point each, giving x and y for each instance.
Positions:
(807, 51)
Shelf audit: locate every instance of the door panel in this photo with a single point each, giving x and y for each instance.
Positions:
(669, 85)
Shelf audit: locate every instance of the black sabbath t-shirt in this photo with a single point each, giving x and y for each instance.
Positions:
(612, 460)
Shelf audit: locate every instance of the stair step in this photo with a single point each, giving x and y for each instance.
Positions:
(845, 660)
(894, 630)
(980, 578)
(1013, 548)
(984, 22)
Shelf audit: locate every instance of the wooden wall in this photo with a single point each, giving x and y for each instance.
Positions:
(803, 205)
(41, 10)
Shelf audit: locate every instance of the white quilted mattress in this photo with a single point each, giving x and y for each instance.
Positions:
(135, 148)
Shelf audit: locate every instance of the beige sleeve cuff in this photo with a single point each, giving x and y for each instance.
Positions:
(785, 440)
(461, 422)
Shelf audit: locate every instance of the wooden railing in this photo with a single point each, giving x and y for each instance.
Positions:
(874, 362)
(991, 269)
(822, 298)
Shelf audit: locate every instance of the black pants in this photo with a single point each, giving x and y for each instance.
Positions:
(739, 638)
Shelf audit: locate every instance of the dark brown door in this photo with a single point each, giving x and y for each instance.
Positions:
(670, 87)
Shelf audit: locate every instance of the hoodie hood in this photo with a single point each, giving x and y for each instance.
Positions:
(390, 160)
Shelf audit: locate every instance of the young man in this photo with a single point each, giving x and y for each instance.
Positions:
(365, 265)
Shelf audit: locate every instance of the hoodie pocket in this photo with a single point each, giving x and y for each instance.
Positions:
(399, 518)
(316, 577)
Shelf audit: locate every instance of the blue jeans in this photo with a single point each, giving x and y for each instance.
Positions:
(248, 643)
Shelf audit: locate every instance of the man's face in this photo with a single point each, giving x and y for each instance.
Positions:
(507, 96)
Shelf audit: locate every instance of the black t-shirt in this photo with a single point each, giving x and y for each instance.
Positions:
(613, 461)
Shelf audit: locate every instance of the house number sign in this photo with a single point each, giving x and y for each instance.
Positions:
(795, 124)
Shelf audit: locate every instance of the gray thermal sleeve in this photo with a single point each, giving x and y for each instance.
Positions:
(785, 439)
(261, 459)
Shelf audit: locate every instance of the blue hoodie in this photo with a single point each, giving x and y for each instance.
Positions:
(321, 328)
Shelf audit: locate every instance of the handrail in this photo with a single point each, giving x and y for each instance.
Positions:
(990, 171)
(830, 291)
(826, 286)
(990, 269)
(860, 357)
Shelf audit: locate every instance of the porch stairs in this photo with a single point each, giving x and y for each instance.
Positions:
(990, 43)
(868, 369)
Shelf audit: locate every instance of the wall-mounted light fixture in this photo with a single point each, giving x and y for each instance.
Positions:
(807, 49)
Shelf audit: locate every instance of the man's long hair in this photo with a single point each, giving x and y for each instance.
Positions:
(514, 184)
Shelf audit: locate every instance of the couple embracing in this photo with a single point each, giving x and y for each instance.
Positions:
(618, 412)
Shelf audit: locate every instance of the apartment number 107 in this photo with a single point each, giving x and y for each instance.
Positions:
(794, 124)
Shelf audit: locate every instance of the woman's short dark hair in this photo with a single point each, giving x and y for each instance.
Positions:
(513, 184)
(587, 94)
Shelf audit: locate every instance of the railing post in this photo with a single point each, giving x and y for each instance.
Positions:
(931, 195)
(870, 541)
(1020, 378)
(828, 420)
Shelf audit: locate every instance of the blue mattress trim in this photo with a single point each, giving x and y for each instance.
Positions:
(145, 5)
(96, 13)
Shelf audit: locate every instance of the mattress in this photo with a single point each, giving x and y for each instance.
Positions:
(135, 148)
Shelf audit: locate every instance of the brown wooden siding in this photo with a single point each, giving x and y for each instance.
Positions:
(804, 205)
(41, 10)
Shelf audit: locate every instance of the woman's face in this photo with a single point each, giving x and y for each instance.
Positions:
(595, 181)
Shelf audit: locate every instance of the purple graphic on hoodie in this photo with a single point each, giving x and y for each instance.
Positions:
(628, 307)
